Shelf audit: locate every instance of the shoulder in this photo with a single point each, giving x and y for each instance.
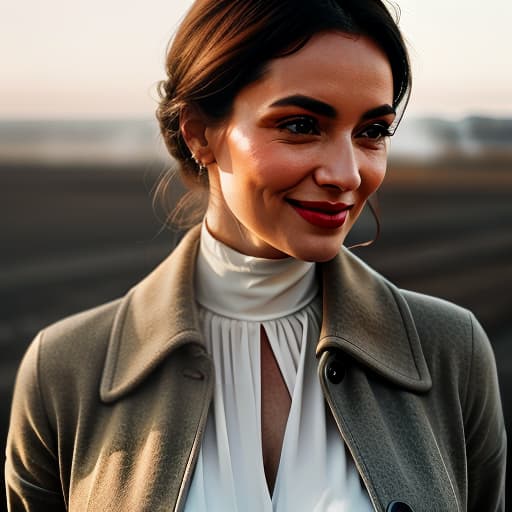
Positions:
(438, 318)
(444, 324)
(450, 336)
(428, 309)
(60, 370)
(74, 350)
(439, 322)
(463, 367)
(67, 357)
(454, 343)
(84, 334)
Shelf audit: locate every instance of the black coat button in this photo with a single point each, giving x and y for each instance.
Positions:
(335, 371)
(399, 506)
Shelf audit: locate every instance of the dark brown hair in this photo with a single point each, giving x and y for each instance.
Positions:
(223, 45)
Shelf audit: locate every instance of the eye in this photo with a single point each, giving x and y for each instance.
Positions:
(376, 132)
(303, 125)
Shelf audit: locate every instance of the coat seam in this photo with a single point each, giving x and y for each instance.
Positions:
(44, 406)
(470, 366)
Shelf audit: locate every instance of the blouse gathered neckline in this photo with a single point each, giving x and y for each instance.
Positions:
(237, 296)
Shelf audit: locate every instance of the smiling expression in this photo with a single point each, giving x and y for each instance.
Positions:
(302, 150)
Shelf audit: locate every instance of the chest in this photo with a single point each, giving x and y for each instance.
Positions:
(145, 447)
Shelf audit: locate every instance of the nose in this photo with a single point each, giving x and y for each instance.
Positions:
(338, 165)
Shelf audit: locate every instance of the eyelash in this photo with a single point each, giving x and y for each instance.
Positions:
(383, 129)
(312, 128)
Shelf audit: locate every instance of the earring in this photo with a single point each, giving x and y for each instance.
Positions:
(200, 165)
(198, 162)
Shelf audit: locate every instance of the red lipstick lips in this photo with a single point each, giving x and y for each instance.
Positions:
(323, 214)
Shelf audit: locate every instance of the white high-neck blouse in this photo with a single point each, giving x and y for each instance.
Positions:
(236, 295)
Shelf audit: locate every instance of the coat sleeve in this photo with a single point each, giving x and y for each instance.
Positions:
(31, 469)
(486, 441)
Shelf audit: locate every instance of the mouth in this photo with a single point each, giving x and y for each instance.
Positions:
(324, 214)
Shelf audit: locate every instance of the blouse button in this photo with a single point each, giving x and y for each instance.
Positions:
(335, 371)
(399, 506)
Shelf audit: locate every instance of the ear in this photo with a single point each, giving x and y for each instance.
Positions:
(193, 126)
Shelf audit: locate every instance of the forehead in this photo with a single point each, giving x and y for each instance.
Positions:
(333, 67)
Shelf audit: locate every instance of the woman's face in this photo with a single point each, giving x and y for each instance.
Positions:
(302, 150)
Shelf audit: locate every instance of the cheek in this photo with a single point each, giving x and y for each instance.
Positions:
(373, 174)
(259, 169)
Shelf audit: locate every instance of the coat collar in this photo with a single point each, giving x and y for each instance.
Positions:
(364, 316)
(367, 317)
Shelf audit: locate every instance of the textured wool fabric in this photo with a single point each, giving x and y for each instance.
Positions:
(237, 295)
(110, 405)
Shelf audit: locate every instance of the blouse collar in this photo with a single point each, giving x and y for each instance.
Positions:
(244, 287)
(364, 317)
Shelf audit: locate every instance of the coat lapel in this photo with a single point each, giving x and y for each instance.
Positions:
(366, 317)
(158, 318)
(388, 431)
(155, 318)
(380, 402)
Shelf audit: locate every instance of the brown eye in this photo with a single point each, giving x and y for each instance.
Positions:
(301, 126)
(375, 132)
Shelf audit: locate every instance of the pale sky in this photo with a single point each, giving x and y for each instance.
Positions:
(102, 58)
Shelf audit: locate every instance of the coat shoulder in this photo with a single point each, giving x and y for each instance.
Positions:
(69, 354)
(444, 318)
(87, 332)
(451, 337)
(461, 358)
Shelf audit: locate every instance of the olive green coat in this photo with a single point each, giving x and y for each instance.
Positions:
(110, 405)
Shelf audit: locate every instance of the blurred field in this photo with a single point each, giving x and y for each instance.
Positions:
(73, 237)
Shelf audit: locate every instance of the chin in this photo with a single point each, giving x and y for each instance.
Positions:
(316, 253)
(318, 249)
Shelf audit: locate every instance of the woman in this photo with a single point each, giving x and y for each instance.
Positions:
(261, 367)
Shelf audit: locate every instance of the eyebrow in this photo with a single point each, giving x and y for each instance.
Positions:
(324, 109)
(383, 110)
(307, 103)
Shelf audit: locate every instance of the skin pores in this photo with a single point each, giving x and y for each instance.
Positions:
(302, 150)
